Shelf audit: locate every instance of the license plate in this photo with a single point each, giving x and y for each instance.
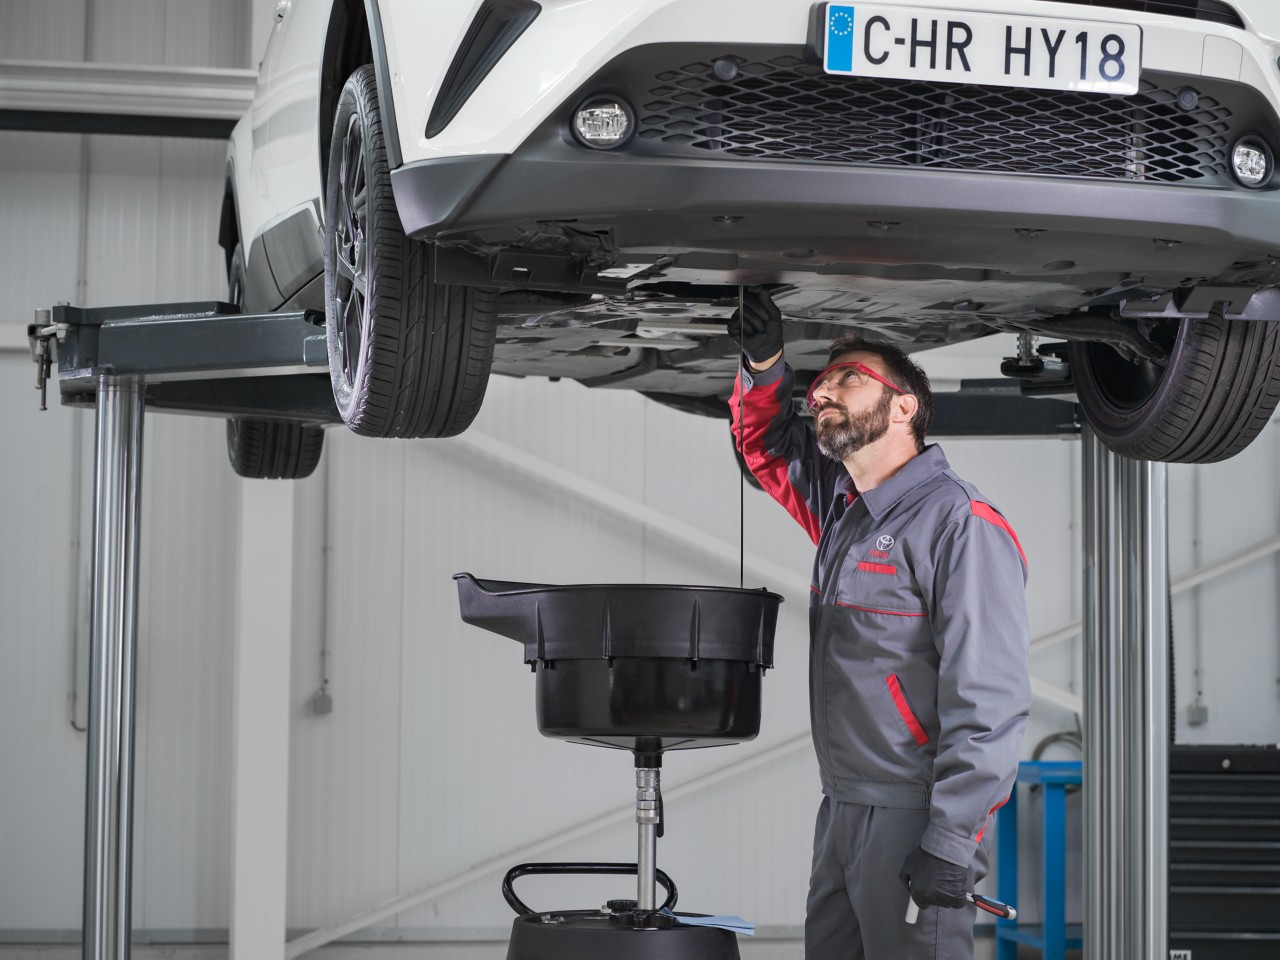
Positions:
(956, 46)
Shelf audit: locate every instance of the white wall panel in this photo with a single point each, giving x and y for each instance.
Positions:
(123, 220)
(42, 29)
(42, 758)
(184, 689)
(345, 766)
(40, 205)
(1231, 625)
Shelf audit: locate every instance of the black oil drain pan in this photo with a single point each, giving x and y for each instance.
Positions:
(653, 667)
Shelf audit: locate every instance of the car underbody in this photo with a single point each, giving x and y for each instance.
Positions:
(919, 214)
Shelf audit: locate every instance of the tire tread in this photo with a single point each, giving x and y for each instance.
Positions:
(1219, 391)
(429, 346)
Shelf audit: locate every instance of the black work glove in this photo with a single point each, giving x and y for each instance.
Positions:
(758, 326)
(934, 882)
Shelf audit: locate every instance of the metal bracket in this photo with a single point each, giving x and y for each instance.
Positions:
(519, 270)
(42, 352)
(1199, 303)
(191, 357)
(1044, 374)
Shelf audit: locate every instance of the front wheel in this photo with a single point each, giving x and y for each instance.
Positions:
(1205, 402)
(408, 357)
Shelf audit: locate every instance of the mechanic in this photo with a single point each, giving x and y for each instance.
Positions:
(919, 689)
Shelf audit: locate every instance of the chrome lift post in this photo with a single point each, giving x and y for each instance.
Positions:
(1126, 748)
(186, 357)
(108, 861)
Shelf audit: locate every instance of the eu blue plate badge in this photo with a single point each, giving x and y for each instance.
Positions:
(839, 46)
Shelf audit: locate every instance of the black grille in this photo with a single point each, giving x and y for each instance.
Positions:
(1212, 10)
(787, 109)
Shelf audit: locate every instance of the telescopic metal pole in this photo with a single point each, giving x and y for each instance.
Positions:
(648, 785)
(1145, 570)
(1104, 736)
(108, 860)
(1126, 705)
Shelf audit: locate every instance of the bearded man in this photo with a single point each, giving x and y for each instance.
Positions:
(918, 682)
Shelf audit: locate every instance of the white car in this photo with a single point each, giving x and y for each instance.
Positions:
(578, 188)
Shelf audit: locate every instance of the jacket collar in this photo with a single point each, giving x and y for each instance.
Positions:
(917, 471)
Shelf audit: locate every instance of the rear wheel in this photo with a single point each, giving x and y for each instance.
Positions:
(1205, 402)
(268, 449)
(408, 357)
(273, 449)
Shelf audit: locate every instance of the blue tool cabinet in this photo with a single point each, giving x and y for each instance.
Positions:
(1053, 936)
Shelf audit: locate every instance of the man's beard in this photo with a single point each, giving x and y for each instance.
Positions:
(845, 433)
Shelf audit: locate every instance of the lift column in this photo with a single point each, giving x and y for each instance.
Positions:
(1126, 700)
(190, 357)
(108, 861)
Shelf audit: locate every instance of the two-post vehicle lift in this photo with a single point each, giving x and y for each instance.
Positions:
(208, 358)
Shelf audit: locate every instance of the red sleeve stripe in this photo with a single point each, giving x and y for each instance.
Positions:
(815, 589)
(888, 613)
(978, 838)
(904, 708)
(877, 567)
(988, 513)
(759, 408)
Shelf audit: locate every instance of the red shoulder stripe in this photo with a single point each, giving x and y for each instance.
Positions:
(759, 407)
(989, 514)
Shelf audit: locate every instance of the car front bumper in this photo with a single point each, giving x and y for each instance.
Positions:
(727, 221)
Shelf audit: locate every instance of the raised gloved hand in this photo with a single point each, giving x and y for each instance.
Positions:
(758, 326)
(934, 882)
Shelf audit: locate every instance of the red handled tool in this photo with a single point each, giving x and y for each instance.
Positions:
(978, 900)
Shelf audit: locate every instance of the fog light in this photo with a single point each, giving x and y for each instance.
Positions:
(1252, 162)
(603, 123)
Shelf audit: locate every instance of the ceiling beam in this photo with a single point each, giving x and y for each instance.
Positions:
(130, 99)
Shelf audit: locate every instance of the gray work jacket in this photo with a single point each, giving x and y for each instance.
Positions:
(919, 690)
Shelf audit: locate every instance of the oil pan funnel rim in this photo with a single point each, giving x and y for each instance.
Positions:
(602, 621)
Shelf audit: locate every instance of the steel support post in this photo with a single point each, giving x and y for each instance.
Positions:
(1103, 783)
(1126, 705)
(108, 860)
(648, 785)
(1144, 567)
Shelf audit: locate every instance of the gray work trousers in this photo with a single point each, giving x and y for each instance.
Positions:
(857, 905)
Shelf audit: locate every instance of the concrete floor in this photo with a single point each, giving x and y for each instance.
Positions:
(750, 949)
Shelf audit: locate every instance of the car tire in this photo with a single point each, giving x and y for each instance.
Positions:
(268, 449)
(273, 449)
(408, 357)
(1205, 403)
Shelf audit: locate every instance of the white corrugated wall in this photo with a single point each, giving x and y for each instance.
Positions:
(430, 761)
(107, 220)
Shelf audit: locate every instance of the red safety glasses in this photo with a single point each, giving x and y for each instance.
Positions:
(855, 375)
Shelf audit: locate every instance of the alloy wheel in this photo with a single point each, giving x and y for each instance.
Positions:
(351, 249)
